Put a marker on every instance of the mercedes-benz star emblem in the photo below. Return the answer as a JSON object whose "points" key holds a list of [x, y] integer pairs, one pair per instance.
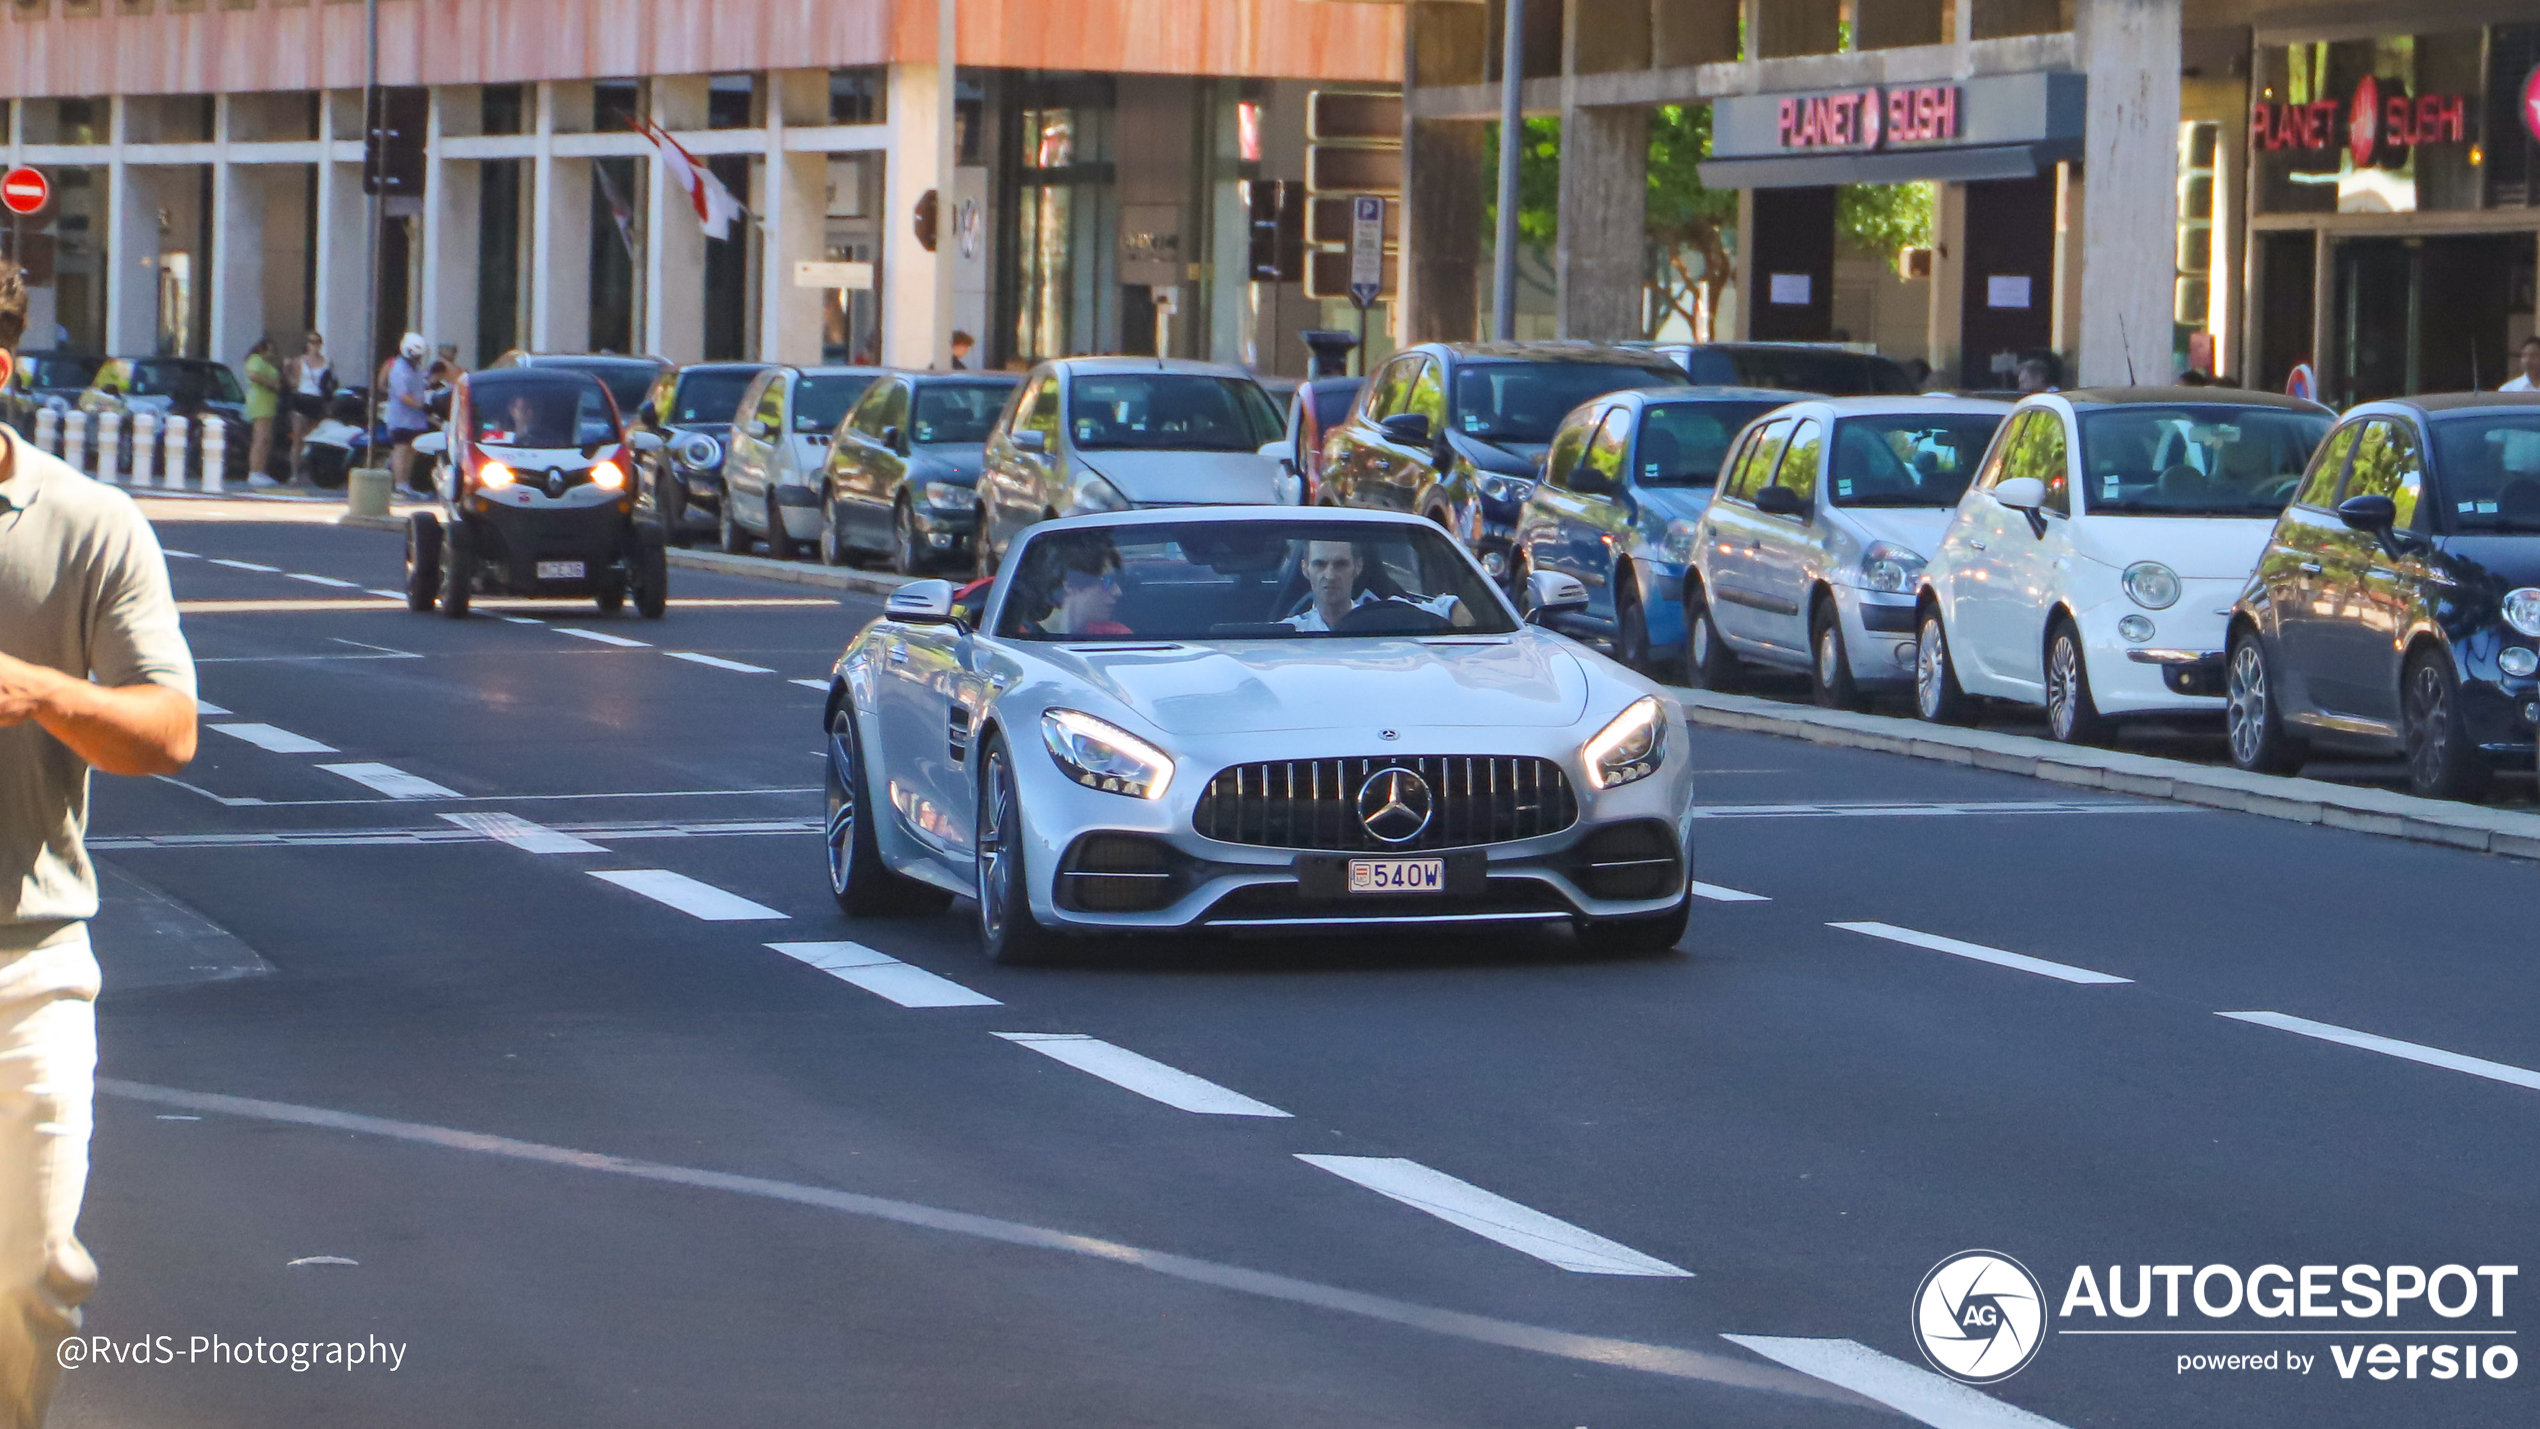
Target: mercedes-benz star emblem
{"points": [[1394, 805]]}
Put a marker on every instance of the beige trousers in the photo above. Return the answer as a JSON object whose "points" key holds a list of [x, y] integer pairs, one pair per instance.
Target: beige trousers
{"points": [[48, 1062]]}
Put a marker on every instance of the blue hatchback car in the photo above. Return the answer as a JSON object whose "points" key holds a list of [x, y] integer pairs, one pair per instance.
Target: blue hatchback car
{"points": [[1624, 482]]}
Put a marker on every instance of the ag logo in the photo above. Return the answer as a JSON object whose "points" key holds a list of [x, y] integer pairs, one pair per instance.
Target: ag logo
{"points": [[1979, 1316]]}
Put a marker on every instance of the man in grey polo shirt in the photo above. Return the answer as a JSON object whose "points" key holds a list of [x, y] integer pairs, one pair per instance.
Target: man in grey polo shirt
{"points": [[93, 675]]}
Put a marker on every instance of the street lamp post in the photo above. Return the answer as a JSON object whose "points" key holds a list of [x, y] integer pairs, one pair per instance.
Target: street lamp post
{"points": [[371, 117], [1512, 127]]}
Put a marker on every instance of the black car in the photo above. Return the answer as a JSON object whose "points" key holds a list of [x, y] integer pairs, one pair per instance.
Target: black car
{"points": [[1797, 366], [903, 470], [45, 379], [2396, 610], [691, 409], [1456, 431], [195, 388]]}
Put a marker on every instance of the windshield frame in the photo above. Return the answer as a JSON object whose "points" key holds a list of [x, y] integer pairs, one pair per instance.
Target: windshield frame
{"points": [[743, 376], [1003, 391], [2439, 435], [1636, 473], [1844, 423], [1266, 422], [2090, 485], [494, 391]]}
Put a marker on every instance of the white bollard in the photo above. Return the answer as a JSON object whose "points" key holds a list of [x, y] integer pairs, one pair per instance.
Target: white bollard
{"points": [[48, 431], [110, 446], [215, 452], [75, 439], [145, 447], [172, 444]]}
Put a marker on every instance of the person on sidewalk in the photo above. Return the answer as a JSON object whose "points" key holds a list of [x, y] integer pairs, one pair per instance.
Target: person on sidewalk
{"points": [[264, 404], [94, 674], [308, 382], [404, 414]]}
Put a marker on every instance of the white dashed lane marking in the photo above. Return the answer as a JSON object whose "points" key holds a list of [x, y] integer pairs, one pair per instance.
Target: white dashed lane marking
{"points": [[322, 580], [820, 685], [601, 636], [1980, 953], [386, 594], [280, 741], [678, 890], [718, 662], [884, 976], [1493, 1217], [1911, 1391], [246, 566], [1717, 894], [524, 620], [391, 781], [2392, 1047], [521, 834], [180, 555], [1144, 1075], [203, 706]]}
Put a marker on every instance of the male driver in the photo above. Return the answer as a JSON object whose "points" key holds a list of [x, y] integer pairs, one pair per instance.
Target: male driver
{"points": [[2528, 379], [1331, 575], [93, 674]]}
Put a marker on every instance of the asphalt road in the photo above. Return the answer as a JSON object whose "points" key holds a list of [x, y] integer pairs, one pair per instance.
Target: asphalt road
{"points": [[596, 1159]]}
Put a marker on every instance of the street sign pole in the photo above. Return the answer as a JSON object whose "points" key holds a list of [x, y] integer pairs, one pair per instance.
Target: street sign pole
{"points": [[1366, 262], [1512, 133]]}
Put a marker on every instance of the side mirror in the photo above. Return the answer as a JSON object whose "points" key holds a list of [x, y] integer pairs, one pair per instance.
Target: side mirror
{"points": [[1281, 451], [1410, 429], [645, 416], [891, 439], [434, 444], [1553, 593], [2021, 493], [2371, 515], [1780, 501], [645, 443], [921, 603], [1037, 443]]}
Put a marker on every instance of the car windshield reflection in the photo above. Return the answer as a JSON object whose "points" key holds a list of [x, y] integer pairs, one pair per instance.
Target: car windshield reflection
{"points": [[1916, 460], [2196, 460]]}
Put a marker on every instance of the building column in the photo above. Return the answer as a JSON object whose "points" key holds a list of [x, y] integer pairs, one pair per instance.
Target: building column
{"points": [[2130, 51], [1441, 231], [343, 291], [446, 304], [1945, 328], [238, 247], [132, 246], [559, 242], [674, 243], [909, 170], [1602, 254], [2071, 298]]}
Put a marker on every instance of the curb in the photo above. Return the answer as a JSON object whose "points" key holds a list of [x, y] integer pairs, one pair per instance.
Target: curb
{"points": [[2297, 800], [788, 572]]}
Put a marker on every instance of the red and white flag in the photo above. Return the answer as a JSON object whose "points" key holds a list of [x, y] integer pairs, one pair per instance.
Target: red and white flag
{"points": [[715, 205]]}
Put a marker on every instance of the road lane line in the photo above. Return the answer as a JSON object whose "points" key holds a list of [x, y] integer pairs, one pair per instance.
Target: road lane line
{"points": [[245, 566], [180, 555], [521, 834], [718, 662], [280, 741], [1144, 1075], [1961, 809], [1493, 1217], [385, 594], [1979, 952], [1668, 1361], [601, 636], [462, 833], [524, 620], [203, 706], [1717, 894], [391, 781], [323, 580], [820, 685], [885, 976], [2392, 1047], [1915, 1393], [678, 890]]}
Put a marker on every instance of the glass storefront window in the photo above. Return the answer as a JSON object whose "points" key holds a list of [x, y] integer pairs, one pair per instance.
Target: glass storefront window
{"points": [[1066, 215], [2386, 125]]}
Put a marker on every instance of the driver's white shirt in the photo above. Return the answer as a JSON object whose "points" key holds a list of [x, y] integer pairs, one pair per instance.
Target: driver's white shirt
{"points": [[1442, 606]]}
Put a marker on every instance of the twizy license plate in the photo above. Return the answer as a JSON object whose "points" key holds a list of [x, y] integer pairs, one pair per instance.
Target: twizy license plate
{"points": [[1397, 875], [559, 570]]}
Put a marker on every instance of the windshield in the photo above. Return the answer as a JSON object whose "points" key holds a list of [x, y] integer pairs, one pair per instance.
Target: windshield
{"points": [[1524, 402], [1916, 460], [2200, 460], [2490, 471], [558, 411], [712, 397], [956, 413], [185, 381], [1800, 369], [1249, 580], [1169, 411], [821, 403], [60, 371], [626, 380], [1683, 443]]}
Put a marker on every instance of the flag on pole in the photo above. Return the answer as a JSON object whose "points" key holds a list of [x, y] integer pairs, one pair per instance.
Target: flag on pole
{"points": [[619, 211], [715, 205]]}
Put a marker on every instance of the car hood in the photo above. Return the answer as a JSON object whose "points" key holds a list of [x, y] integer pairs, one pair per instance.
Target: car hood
{"points": [[1168, 478], [2196, 547], [2509, 561], [1916, 528], [948, 461], [1506, 458], [1525, 680]]}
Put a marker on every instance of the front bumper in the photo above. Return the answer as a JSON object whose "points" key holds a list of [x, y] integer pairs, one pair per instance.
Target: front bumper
{"points": [[2183, 672]]}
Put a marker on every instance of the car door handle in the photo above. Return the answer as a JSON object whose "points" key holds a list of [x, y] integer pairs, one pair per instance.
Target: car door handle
{"points": [[1975, 545]]}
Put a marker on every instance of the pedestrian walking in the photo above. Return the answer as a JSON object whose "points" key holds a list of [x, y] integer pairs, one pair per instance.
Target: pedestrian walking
{"points": [[94, 674], [2528, 379], [308, 381], [407, 391], [264, 403], [962, 342]]}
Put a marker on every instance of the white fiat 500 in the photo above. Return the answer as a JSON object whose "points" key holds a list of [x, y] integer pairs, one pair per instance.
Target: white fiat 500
{"points": [[2092, 566], [1254, 719]]}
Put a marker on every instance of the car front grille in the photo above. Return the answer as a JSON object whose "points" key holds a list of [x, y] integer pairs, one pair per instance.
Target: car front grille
{"points": [[1313, 803]]}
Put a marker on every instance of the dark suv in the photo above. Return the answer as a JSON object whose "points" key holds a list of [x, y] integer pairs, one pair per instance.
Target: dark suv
{"points": [[2396, 609], [1456, 431]]}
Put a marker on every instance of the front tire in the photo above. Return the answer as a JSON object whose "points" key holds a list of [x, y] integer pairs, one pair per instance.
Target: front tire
{"points": [[862, 884], [2252, 719], [2442, 762], [908, 549], [649, 573], [670, 496], [729, 537], [1830, 672], [781, 545], [833, 544], [458, 570], [1937, 695], [1008, 932], [2072, 715], [1645, 936], [423, 561], [1714, 665], [983, 547]]}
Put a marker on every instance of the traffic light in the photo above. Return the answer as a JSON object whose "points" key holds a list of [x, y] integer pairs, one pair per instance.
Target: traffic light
{"points": [[392, 152], [1278, 231]]}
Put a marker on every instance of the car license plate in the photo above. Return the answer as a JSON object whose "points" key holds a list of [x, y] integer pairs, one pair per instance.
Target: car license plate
{"points": [[1397, 875], [559, 570]]}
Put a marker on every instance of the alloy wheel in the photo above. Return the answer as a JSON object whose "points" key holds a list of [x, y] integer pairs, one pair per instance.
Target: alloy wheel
{"points": [[2063, 687], [2429, 723], [1930, 670], [2245, 710], [842, 806], [1829, 657], [995, 848]]}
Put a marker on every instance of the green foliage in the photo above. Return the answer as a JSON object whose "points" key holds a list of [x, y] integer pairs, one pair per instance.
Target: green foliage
{"points": [[1883, 218], [1538, 182], [1680, 208]]}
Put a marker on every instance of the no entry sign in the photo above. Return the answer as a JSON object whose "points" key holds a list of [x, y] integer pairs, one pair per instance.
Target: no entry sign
{"points": [[24, 190]]}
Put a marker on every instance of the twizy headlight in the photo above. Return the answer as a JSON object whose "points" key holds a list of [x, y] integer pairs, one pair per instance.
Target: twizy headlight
{"points": [[2151, 585], [1891, 568], [2522, 610], [607, 476], [1104, 756], [1629, 749], [493, 476]]}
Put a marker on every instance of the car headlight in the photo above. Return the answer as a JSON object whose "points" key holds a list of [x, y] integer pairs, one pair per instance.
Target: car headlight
{"points": [[2136, 628], [699, 452], [1496, 487], [2522, 610], [1677, 545], [1100, 755], [606, 476], [2151, 585], [1093, 494], [1631, 748], [1890, 568], [2518, 661], [493, 476], [950, 495]]}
